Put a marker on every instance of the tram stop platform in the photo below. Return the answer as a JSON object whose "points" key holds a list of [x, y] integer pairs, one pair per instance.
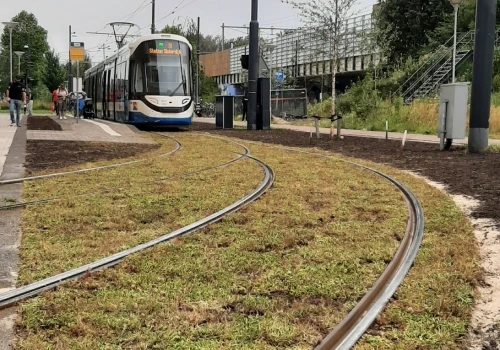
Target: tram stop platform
{"points": [[89, 130]]}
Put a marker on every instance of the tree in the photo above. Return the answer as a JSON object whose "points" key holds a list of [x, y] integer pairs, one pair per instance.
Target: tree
{"points": [[28, 32], [208, 88], [83, 66], [404, 26], [328, 17], [54, 71]]}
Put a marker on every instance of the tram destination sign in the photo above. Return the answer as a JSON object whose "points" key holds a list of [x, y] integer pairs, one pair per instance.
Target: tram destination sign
{"points": [[162, 50], [77, 51]]}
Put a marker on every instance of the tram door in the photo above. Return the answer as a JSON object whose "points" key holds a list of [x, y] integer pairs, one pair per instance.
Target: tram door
{"points": [[104, 100], [108, 94]]}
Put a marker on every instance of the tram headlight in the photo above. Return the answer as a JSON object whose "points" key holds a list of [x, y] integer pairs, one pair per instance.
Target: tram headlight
{"points": [[186, 100]]}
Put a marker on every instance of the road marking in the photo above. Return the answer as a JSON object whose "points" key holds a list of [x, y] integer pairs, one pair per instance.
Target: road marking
{"points": [[104, 127]]}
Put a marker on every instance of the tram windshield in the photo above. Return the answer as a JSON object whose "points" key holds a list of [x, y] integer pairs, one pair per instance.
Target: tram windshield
{"points": [[162, 67]]}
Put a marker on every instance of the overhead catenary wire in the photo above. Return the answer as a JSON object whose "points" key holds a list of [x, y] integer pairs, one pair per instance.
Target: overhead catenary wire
{"points": [[175, 10]]}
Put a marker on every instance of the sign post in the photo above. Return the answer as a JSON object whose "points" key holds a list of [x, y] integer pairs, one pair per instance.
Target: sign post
{"points": [[77, 53]]}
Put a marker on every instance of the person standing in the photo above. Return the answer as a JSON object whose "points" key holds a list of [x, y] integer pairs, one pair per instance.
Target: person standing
{"points": [[54, 101], [245, 107], [62, 94], [16, 95], [30, 103]]}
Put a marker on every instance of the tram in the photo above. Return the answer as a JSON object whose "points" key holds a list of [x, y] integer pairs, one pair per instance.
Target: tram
{"points": [[146, 82]]}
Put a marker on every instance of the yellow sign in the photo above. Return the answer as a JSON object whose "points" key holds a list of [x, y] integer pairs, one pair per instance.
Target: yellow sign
{"points": [[164, 52], [77, 52]]}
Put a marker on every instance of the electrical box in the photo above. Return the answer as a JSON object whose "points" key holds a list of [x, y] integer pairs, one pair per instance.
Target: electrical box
{"points": [[224, 111], [263, 104], [453, 111]]}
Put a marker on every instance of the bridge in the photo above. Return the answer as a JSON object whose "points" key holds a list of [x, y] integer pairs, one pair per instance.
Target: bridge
{"points": [[300, 54]]}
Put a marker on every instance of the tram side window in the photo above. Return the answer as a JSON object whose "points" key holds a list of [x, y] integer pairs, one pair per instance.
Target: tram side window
{"points": [[138, 78]]}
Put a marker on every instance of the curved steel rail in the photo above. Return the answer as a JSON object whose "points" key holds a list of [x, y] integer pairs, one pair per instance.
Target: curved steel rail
{"points": [[14, 296], [354, 325], [177, 148], [108, 190]]}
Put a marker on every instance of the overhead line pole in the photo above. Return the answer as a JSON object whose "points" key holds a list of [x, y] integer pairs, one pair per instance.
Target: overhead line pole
{"points": [[198, 63], [223, 36], [70, 80], [153, 29], [253, 67], [482, 73]]}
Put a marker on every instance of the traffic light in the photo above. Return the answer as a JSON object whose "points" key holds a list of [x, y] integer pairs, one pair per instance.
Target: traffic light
{"points": [[244, 61]]}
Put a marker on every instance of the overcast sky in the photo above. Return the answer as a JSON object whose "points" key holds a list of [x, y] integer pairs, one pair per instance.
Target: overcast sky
{"points": [[93, 15]]}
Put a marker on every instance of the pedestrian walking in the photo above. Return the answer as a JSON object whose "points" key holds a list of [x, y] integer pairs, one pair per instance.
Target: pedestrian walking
{"points": [[62, 94], [54, 101], [245, 107], [30, 103], [16, 95]]}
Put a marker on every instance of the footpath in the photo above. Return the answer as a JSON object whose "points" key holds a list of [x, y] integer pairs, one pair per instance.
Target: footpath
{"points": [[355, 133]]}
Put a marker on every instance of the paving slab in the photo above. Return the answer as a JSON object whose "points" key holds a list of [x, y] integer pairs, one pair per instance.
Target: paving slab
{"points": [[356, 133], [14, 144], [90, 130]]}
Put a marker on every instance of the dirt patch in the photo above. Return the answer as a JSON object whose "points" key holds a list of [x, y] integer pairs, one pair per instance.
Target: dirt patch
{"points": [[467, 174], [48, 155], [43, 123]]}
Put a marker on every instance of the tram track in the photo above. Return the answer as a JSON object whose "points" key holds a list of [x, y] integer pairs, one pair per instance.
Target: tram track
{"points": [[351, 328], [177, 148], [14, 296], [347, 333], [116, 189]]}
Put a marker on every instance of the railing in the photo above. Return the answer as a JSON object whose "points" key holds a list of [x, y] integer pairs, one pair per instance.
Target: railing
{"points": [[418, 72], [439, 60]]}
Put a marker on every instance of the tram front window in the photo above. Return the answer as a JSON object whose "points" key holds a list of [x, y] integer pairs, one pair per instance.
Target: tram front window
{"points": [[163, 72]]}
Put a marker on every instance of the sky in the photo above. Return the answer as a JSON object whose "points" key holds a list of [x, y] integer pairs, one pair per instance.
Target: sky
{"points": [[94, 15]]}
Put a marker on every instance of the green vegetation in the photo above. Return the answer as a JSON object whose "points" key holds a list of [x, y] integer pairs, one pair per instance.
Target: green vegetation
{"points": [[363, 108], [28, 28], [278, 274]]}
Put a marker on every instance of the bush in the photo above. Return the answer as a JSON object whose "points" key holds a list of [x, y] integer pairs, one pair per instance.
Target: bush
{"points": [[495, 85]]}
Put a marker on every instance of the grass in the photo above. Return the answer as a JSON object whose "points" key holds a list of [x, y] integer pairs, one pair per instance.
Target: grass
{"points": [[35, 111], [278, 274], [418, 118], [140, 211]]}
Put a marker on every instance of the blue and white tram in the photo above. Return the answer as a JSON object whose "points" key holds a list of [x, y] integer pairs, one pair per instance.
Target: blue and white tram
{"points": [[148, 82]]}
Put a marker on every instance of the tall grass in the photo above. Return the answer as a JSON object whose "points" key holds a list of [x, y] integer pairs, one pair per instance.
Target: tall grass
{"points": [[366, 111]]}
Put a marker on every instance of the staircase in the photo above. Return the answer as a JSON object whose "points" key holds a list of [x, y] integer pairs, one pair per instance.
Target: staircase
{"points": [[437, 69]]}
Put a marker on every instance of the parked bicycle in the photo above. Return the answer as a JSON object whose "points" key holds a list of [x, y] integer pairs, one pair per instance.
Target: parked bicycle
{"points": [[208, 110]]}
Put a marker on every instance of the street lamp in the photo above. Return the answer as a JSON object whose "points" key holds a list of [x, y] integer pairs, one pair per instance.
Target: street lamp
{"points": [[19, 54], [27, 65], [456, 5], [11, 26]]}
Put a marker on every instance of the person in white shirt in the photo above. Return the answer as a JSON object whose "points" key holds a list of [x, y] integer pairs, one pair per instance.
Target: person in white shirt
{"points": [[62, 94]]}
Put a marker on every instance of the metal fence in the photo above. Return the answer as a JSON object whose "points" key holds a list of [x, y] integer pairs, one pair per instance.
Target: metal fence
{"points": [[290, 102], [293, 102]]}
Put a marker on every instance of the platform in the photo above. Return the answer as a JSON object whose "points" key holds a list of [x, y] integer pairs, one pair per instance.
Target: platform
{"points": [[96, 130]]}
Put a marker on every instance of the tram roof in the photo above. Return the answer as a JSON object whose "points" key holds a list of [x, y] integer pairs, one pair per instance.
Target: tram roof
{"points": [[134, 44]]}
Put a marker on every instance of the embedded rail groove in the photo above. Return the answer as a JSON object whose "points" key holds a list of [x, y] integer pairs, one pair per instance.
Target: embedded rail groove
{"points": [[12, 297], [177, 148], [347, 333]]}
